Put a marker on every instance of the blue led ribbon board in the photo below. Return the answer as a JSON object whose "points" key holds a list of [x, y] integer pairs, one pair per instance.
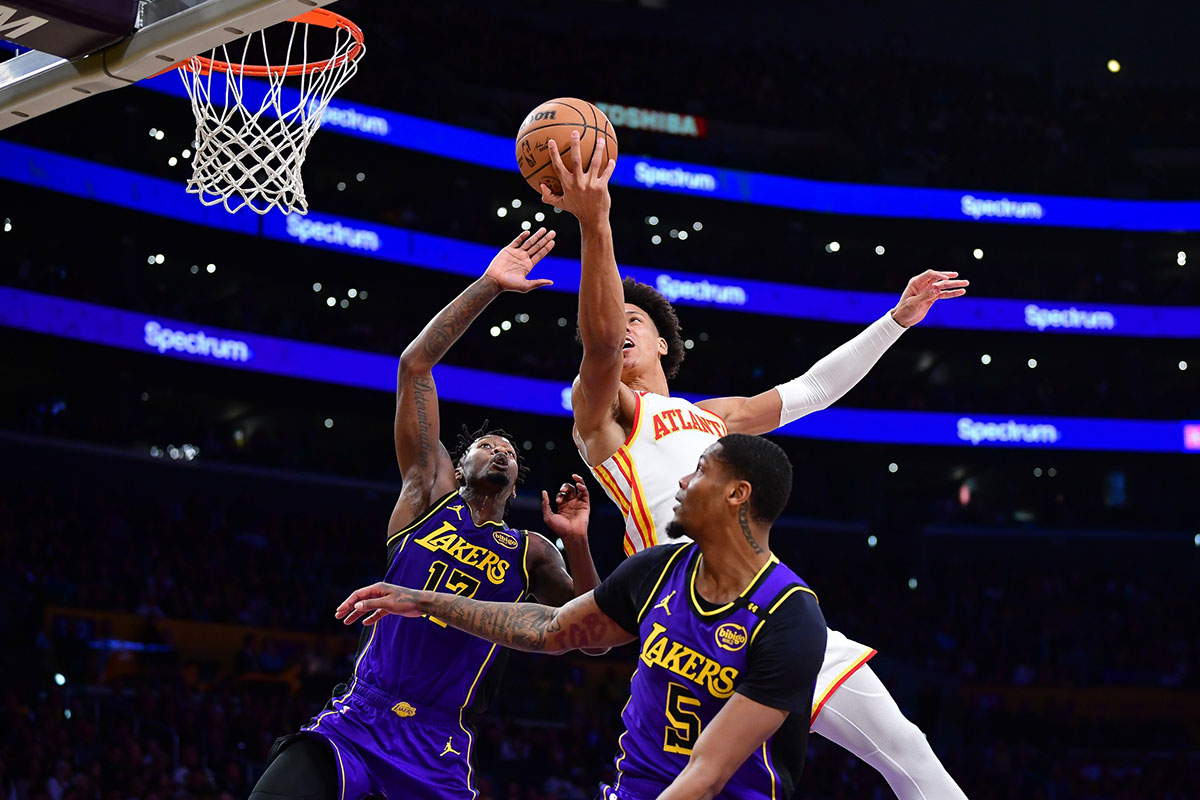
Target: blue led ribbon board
{"points": [[159, 336]]}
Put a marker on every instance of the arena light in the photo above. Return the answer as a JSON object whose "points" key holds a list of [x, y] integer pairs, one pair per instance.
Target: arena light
{"points": [[879, 250], [656, 239], [1197, 540], [331, 301], [985, 359], [833, 247], [526, 445], [352, 293], [1181, 258], [683, 235], [893, 467], [516, 203], [317, 287], [1052, 472], [526, 225], [522, 318], [59, 679], [550, 445], [150, 260], [978, 254], [562, 322], [344, 303], [872, 540], [341, 187], [501, 212], [506, 325], [159, 135], [539, 216], [495, 331], [362, 295], [674, 233], [195, 270], [697, 226], [688, 344], [328, 422], [1032, 363], [1182, 366], [1037, 472], [159, 258], [651, 220], [210, 269], [153, 133], [912, 583], [360, 177], [186, 153], [1114, 66], [172, 161]]}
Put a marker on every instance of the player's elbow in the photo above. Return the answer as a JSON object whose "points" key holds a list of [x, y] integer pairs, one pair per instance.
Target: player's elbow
{"points": [[704, 778], [413, 362]]}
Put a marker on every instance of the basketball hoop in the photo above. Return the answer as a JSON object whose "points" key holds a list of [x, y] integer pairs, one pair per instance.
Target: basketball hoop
{"points": [[252, 136]]}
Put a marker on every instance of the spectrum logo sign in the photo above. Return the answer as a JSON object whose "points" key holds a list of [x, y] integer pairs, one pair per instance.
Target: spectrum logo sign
{"points": [[196, 343], [977, 432], [650, 176], [1071, 318]]}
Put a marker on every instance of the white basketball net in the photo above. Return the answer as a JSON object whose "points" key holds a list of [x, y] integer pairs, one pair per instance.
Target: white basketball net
{"points": [[252, 133]]}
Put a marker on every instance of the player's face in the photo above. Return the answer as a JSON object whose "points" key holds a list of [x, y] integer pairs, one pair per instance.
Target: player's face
{"points": [[491, 459], [701, 496], [642, 346]]}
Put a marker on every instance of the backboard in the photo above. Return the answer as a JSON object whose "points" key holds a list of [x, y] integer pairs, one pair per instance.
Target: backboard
{"points": [[165, 33]]}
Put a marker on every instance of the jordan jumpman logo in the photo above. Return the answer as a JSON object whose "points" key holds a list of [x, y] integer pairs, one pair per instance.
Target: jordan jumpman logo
{"points": [[449, 748], [457, 510], [663, 603]]}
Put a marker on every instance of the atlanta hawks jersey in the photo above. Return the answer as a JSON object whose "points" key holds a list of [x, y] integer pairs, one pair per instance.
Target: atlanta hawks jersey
{"points": [[664, 444]]}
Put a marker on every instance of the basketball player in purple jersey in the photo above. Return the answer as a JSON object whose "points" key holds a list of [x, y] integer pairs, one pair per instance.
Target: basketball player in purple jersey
{"points": [[731, 640], [401, 727], [637, 438]]}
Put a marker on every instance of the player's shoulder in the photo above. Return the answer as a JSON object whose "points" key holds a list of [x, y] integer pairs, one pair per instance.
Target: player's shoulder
{"points": [[795, 614]]}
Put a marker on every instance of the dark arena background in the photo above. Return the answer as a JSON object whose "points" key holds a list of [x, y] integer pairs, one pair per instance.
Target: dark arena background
{"points": [[1006, 507]]}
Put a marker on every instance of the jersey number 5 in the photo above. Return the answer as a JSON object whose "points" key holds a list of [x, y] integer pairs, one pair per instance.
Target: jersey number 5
{"points": [[683, 725], [459, 583]]}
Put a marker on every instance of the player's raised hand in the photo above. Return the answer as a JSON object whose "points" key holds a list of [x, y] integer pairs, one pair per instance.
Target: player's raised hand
{"points": [[378, 600], [584, 192], [511, 266], [923, 291], [574, 508]]}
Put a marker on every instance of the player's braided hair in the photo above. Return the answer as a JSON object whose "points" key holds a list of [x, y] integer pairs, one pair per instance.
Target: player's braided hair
{"points": [[468, 437], [662, 314]]}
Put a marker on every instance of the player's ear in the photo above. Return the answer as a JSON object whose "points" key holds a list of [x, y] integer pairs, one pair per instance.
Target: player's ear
{"points": [[663, 347], [458, 476], [739, 493]]}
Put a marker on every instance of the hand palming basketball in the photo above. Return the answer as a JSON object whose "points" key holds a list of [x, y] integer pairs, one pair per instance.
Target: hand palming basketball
{"points": [[584, 193], [511, 265]]}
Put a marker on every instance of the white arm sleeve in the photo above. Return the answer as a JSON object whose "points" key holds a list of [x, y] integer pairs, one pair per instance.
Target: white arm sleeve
{"points": [[839, 372]]}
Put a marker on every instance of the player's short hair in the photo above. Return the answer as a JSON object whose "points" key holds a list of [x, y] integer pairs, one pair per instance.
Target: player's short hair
{"points": [[765, 466], [662, 314]]}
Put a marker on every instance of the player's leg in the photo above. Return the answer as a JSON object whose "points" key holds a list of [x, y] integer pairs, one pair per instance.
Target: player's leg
{"points": [[304, 770], [862, 717]]}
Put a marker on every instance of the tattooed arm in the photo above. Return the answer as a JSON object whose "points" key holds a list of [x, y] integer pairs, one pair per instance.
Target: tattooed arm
{"points": [[522, 626], [424, 463]]}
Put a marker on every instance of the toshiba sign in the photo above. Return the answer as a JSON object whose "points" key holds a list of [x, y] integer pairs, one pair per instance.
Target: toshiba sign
{"points": [[647, 119]]}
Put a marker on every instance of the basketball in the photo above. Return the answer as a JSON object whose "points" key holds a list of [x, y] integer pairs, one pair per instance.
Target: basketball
{"points": [[555, 119]]}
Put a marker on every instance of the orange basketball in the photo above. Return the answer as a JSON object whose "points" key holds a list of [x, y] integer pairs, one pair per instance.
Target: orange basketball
{"points": [[555, 119]]}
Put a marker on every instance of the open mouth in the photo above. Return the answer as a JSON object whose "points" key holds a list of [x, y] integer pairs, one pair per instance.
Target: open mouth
{"points": [[500, 461], [628, 343]]}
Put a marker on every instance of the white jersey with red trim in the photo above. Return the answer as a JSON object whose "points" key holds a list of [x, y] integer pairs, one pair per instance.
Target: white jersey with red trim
{"points": [[642, 477], [664, 444]]}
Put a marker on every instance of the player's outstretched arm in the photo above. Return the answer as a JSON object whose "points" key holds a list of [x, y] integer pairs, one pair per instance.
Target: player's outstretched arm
{"points": [[601, 297], [522, 626], [424, 463], [736, 733], [837, 373]]}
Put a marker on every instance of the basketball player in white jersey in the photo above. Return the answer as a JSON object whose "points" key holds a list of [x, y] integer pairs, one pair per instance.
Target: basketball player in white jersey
{"points": [[639, 441]]}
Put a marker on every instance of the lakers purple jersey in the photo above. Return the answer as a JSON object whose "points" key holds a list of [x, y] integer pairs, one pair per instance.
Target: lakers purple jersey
{"points": [[420, 661], [691, 662]]}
